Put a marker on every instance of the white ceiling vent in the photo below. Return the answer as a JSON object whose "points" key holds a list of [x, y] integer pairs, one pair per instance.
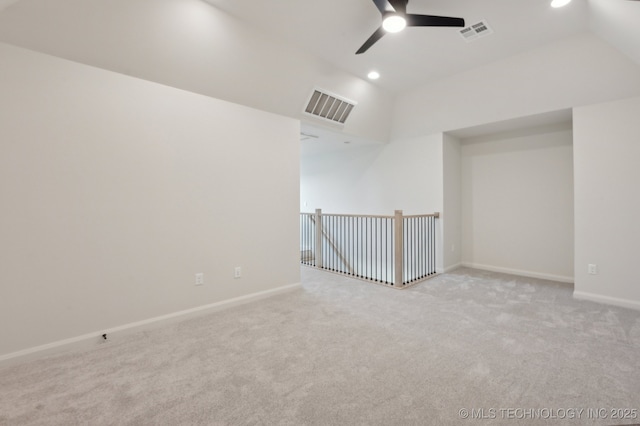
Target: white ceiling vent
{"points": [[329, 106], [476, 31]]}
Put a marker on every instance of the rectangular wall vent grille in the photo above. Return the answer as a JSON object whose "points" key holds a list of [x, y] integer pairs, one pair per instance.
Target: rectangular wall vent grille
{"points": [[329, 107], [476, 31]]}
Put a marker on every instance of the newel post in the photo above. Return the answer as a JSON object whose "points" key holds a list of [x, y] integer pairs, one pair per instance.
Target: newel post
{"points": [[318, 248], [397, 248]]}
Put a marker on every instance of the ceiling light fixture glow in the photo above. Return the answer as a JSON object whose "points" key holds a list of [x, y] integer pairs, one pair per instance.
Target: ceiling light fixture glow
{"points": [[559, 3], [373, 75], [393, 23]]}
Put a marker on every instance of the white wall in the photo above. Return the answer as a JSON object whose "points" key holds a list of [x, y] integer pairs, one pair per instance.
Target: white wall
{"points": [[192, 45], [452, 202], [403, 175], [607, 205], [336, 180], [579, 70], [376, 179], [407, 175], [115, 191], [517, 202]]}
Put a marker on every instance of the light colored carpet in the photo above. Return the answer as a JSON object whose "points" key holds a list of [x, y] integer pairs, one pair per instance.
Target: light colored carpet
{"points": [[344, 352]]}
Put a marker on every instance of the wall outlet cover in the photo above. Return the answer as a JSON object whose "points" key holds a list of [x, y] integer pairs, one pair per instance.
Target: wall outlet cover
{"points": [[200, 278]]}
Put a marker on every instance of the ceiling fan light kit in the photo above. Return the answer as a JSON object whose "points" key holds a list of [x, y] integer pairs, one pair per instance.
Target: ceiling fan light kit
{"points": [[394, 23], [395, 18]]}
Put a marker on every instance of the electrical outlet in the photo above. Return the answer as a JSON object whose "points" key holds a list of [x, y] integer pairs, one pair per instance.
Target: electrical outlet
{"points": [[237, 273], [592, 269], [200, 279]]}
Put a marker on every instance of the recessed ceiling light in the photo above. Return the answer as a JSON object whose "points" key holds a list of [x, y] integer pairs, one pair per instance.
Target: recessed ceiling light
{"points": [[559, 3], [373, 75], [393, 23]]}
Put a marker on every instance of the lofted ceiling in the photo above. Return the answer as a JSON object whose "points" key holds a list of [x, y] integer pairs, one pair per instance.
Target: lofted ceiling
{"points": [[299, 44], [334, 29]]}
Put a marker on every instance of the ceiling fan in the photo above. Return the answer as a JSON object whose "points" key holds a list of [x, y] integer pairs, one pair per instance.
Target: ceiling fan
{"points": [[395, 18]]}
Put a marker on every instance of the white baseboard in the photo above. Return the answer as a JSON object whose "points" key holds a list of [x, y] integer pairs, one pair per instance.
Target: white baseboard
{"points": [[551, 277], [608, 300], [92, 339], [452, 267]]}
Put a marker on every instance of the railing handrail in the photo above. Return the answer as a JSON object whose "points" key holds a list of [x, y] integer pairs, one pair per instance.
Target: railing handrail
{"points": [[352, 215], [436, 215]]}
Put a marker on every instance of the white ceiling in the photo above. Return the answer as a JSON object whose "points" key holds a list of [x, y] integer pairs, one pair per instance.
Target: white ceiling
{"points": [[152, 41], [335, 29]]}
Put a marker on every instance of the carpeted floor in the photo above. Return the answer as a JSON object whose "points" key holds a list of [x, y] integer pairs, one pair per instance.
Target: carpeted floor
{"points": [[342, 352]]}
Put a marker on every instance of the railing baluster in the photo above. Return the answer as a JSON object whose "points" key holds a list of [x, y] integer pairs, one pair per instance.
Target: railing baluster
{"points": [[339, 240], [370, 249], [423, 249], [359, 238], [425, 239], [413, 248], [379, 268], [342, 247], [432, 247], [433, 244], [394, 250], [386, 252], [375, 248], [333, 251]]}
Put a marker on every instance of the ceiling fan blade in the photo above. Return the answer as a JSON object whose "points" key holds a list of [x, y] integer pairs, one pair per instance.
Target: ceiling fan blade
{"points": [[433, 21], [371, 41], [383, 6], [400, 6]]}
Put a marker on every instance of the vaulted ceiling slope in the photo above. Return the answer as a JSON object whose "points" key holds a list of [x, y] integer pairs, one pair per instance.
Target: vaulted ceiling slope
{"points": [[192, 45], [271, 55], [617, 22], [575, 71], [334, 29]]}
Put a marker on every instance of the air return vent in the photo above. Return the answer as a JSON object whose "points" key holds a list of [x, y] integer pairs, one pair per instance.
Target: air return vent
{"points": [[329, 107], [475, 31]]}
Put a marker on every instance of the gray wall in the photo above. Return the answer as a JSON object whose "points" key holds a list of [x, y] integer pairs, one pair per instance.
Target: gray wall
{"points": [[116, 191], [517, 202], [607, 202]]}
